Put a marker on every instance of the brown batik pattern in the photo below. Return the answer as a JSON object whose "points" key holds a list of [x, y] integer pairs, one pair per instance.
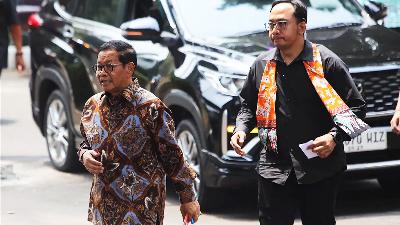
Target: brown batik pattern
{"points": [[135, 134]]}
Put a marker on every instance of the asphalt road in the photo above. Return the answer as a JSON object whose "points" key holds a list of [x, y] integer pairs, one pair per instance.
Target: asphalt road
{"points": [[32, 192]]}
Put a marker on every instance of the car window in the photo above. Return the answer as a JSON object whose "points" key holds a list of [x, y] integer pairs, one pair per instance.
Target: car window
{"points": [[104, 11], [142, 8], [248, 16], [393, 18]]}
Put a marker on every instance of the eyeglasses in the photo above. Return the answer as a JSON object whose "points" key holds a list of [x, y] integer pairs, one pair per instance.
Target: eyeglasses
{"points": [[280, 24], [108, 68]]}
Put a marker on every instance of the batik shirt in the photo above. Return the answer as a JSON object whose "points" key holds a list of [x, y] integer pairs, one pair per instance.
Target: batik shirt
{"points": [[134, 132]]}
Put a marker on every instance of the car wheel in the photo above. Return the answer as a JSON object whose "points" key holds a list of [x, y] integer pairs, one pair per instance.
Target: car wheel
{"points": [[58, 133], [390, 183], [189, 141]]}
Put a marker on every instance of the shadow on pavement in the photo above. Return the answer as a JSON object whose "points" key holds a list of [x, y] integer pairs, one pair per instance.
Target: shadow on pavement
{"points": [[355, 198], [5, 122]]}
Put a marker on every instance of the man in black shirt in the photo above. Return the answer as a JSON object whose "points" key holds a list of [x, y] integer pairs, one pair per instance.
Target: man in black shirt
{"points": [[301, 113], [9, 21]]}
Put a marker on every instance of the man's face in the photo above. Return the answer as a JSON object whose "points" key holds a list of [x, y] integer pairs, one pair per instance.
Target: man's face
{"points": [[112, 75], [286, 30]]}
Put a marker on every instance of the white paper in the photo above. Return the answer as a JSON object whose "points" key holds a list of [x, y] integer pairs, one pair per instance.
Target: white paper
{"points": [[304, 147]]}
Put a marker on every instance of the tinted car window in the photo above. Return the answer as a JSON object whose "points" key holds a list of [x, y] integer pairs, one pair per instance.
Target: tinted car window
{"points": [[104, 11], [393, 17], [233, 19]]}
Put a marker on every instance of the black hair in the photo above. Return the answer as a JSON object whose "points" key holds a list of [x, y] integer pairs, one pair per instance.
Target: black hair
{"points": [[300, 9], [126, 53]]}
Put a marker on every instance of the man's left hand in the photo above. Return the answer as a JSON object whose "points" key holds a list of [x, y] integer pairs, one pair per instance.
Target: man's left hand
{"points": [[19, 62], [323, 145], [190, 210]]}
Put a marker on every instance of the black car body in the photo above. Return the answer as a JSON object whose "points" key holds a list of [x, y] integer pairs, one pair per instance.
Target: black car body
{"points": [[196, 61]]}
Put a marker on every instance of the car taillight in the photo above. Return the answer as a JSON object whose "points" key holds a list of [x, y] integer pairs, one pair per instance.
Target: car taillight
{"points": [[34, 21]]}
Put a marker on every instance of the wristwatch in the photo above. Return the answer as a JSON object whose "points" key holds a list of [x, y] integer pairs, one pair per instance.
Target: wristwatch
{"points": [[337, 138], [81, 154]]}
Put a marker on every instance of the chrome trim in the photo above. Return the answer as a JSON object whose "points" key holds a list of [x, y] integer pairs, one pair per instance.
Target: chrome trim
{"points": [[379, 114], [59, 9], [375, 165], [251, 145], [224, 132], [247, 149], [366, 69]]}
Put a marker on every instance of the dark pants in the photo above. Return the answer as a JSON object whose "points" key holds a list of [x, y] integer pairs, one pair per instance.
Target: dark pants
{"points": [[278, 204], [3, 57]]}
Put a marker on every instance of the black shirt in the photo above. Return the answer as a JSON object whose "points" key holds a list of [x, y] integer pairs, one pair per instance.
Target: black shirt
{"points": [[301, 115], [8, 17]]}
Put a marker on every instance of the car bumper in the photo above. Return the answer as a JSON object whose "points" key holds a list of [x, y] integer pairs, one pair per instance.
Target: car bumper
{"points": [[223, 173], [227, 171]]}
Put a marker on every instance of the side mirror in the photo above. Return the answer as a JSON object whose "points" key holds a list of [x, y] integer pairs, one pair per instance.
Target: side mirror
{"points": [[376, 10], [145, 28]]}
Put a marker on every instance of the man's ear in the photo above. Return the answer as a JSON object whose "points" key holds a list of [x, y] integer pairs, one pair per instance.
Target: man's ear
{"points": [[302, 28], [131, 67]]}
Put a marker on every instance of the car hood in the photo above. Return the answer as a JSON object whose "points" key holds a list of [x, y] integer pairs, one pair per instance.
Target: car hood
{"points": [[357, 46]]}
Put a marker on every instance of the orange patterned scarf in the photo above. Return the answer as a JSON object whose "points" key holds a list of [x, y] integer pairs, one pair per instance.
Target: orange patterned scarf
{"points": [[341, 114]]}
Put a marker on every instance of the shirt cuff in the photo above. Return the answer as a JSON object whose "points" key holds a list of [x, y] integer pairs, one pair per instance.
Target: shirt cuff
{"points": [[187, 195], [240, 128], [338, 135]]}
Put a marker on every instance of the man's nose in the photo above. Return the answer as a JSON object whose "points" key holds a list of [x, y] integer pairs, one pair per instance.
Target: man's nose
{"points": [[274, 30], [101, 73]]}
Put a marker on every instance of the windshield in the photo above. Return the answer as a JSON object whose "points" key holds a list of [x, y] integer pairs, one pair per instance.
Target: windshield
{"points": [[227, 18]]}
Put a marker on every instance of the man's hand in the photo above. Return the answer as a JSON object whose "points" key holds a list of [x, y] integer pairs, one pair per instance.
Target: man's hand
{"points": [[323, 145], [237, 141], [190, 210], [90, 163], [19, 62], [395, 122]]}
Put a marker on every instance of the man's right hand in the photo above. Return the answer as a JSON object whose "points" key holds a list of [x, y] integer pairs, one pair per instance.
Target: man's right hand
{"points": [[395, 122], [90, 163], [237, 140]]}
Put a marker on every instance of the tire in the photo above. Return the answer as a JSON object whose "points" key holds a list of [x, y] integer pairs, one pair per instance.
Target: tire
{"points": [[60, 139], [390, 183], [189, 141]]}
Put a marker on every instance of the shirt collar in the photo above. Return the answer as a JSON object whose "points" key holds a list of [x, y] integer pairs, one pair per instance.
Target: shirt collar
{"points": [[127, 93], [305, 55]]}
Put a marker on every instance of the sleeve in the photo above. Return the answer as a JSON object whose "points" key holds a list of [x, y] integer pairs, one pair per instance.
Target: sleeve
{"points": [[84, 145], [12, 17], [338, 76], [171, 157], [246, 118]]}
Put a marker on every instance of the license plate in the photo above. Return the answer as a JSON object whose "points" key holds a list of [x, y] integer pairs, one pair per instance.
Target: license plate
{"points": [[370, 140]]}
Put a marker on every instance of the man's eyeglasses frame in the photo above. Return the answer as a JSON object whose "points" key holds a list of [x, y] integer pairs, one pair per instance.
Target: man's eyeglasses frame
{"points": [[108, 68]]}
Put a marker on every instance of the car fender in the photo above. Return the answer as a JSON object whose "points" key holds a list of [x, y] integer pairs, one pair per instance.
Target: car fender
{"points": [[54, 75], [182, 99]]}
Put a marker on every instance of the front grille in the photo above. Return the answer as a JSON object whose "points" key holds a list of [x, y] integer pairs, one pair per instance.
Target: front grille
{"points": [[380, 89]]}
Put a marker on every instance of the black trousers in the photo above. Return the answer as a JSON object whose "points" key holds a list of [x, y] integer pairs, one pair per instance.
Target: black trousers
{"points": [[278, 204]]}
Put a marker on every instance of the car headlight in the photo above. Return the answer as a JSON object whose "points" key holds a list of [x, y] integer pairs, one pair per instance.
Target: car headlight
{"points": [[229, 84]]}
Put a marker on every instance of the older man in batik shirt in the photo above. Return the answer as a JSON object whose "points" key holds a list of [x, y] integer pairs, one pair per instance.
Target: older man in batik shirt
{"points": [[129, 145]]}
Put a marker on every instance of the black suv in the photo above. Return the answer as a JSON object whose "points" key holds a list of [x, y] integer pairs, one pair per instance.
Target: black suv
{"points": [[195, 56]]}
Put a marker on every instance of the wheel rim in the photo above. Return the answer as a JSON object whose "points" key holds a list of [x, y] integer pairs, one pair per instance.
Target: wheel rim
{"points": [[191, 153], [57, 132]]}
